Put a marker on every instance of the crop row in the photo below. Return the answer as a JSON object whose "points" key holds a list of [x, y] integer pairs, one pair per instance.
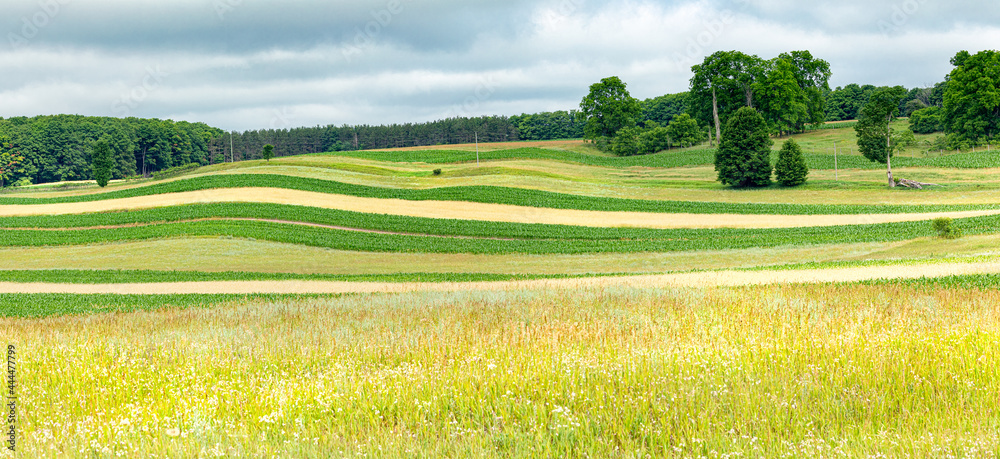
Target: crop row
{"points": [[44, 305], [390, 223], [667, 159], [485, 194], [664, 240], [72, 276]]}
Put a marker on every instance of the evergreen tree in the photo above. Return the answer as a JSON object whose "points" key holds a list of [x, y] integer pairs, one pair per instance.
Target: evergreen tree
{"points": [[102, 163], [744, 155], [791, 169]]}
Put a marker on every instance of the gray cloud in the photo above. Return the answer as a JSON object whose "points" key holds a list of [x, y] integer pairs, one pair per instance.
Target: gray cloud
{"points": [[241, 64]]}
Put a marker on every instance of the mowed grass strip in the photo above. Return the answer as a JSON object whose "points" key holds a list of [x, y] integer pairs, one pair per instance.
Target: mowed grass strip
{"points": [[572, 241], [488, 195]]}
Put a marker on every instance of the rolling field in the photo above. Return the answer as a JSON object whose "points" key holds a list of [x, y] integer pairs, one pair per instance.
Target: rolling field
{"points": [[547, 301]]}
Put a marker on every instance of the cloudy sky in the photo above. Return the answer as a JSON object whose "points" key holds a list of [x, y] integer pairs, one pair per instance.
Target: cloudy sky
{"points": [[250, 64]]}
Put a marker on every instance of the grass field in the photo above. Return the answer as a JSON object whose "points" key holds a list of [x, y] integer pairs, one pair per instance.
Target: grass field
{"points": [[541, 342]]}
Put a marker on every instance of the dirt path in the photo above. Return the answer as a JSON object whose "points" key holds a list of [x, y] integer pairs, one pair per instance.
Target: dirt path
{"points": [[705, 279], [475, 211]]}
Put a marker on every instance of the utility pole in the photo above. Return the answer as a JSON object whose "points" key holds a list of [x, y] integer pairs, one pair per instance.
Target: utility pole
{"points": [[836, 167]]}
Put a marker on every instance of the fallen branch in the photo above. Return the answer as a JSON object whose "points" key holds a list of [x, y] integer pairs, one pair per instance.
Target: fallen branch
{"points": [[914, 184]]}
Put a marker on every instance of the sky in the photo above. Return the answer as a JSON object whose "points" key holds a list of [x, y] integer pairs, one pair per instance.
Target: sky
{"points": [[254, 64]]}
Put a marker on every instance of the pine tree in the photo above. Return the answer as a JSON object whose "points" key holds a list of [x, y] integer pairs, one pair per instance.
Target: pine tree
{"points": [[791, 169], [744, 155]]}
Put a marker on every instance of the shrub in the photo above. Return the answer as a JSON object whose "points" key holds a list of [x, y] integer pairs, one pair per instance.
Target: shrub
{"points": [[437, 171], [791, 169], [626, 142], [946, 228]]}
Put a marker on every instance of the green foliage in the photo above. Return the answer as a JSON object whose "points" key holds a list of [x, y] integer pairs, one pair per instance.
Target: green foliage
{"points": [[549, 125], [102, 162], [845, 103], [655, 139], [873, 128], [744, 155], [608, 108], [726, 79], [684, 131], [268, 152], [972, 97], [626, 142], [927, 121], [10, 161], [791, 169], [436, 172], [946, 229], [663, 109]]}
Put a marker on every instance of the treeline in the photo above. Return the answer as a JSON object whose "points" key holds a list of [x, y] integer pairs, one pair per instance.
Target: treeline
{"points": [[845, 103], [55, 148], [248, 145]]}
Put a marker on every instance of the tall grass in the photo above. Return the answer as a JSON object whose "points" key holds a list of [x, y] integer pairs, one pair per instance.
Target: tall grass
{"points": [[795, 371]]}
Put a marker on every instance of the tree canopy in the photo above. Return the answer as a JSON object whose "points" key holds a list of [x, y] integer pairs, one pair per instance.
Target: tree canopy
{"points": [[873, 128], [608, 108], [972, 97]]}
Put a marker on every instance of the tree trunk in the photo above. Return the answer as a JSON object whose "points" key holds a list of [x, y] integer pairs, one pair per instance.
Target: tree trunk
{"points": [[715, 115], [888, 152]]}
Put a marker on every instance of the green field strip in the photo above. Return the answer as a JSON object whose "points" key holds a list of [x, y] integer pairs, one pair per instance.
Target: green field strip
{"points": [[673, 240], [38, 305], [667, 159], [72, 276], [489, 195]]}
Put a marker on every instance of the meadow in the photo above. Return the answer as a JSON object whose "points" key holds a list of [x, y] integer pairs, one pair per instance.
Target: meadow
{"points": [[876, 367]]}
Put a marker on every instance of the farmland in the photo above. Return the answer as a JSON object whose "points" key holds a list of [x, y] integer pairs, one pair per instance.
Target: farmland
{"points": [[546, 299]]}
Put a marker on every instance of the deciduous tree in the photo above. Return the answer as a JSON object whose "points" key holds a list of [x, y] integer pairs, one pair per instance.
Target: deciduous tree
{"points": [[972, 97], [608, 108], [873, 128], [268, 152]]}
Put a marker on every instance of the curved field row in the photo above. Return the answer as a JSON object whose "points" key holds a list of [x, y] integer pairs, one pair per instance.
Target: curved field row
{"points": [[483, 195], [702, 279], [460, 210]]}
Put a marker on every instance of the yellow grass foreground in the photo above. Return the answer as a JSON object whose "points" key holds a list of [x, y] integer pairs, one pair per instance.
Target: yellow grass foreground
{"points": [[475, 211], [779, 371], [695, 279]]}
